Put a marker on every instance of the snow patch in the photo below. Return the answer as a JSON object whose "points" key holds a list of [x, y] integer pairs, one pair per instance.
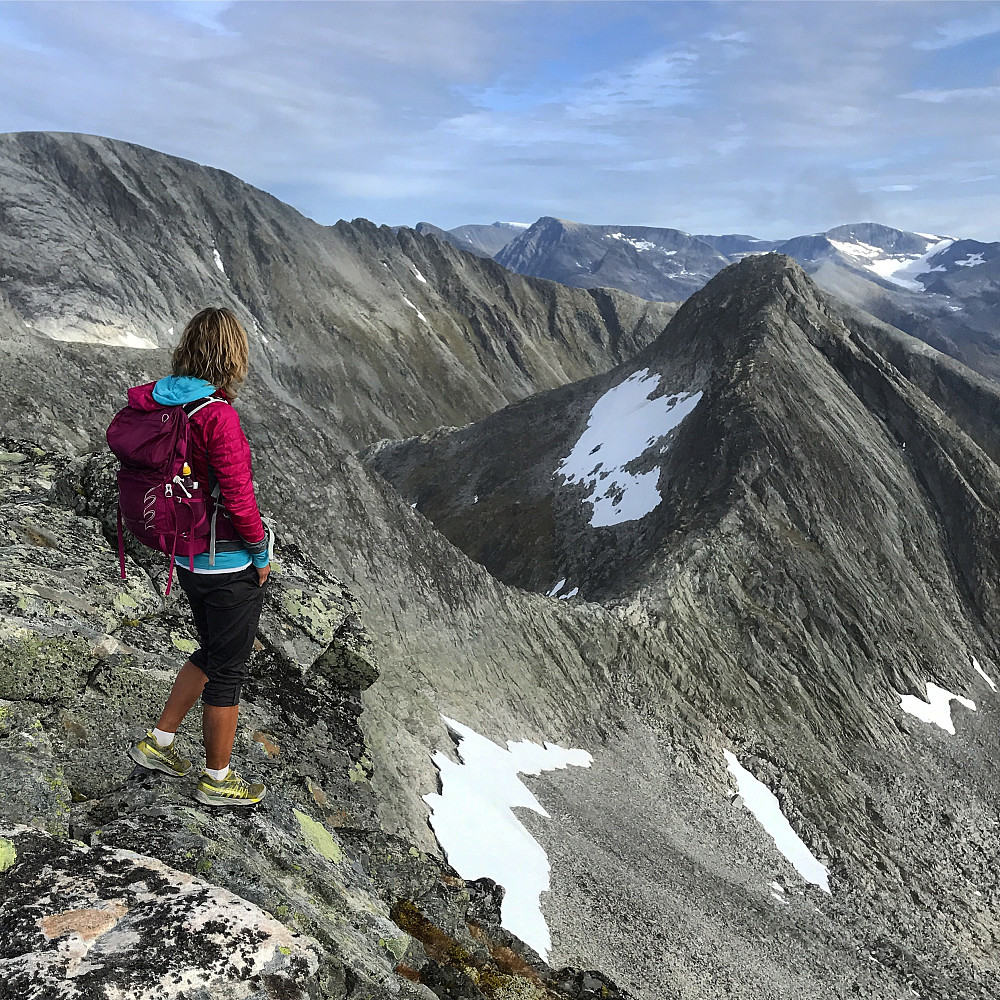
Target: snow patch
{"points": [[555, 590], [982, 673], [973, 260], [572, 593], [418, 275], [218, 260], [900, 269], [640, 245], [760, 800], [937, 708], [98, 333], [478, 830], [622, 425], [423, 318]]}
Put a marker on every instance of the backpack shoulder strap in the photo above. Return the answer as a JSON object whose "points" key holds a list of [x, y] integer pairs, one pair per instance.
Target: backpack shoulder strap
{"points": [[199, 404]]}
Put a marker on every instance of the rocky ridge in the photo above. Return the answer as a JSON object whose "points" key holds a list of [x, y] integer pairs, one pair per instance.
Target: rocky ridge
{"points": [[483, 241], [106, 242], [303, 896]]}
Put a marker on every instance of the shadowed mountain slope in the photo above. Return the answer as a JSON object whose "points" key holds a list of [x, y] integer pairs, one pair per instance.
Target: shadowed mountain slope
{"points": [[658, 264]]}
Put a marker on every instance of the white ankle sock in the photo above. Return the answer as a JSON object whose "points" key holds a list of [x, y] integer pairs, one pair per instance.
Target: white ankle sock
{"points": [[163, 739], [218, 774]]}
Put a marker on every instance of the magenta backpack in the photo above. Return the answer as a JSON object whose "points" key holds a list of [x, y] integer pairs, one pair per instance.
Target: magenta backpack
{"points": [[158, 500]]}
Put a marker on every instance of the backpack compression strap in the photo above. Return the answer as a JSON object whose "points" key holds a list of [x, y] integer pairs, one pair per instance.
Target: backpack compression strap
{"points": [[191, 409]]}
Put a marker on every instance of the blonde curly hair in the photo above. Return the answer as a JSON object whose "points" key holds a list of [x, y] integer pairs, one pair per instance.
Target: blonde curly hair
{"points": [[214, 347]]}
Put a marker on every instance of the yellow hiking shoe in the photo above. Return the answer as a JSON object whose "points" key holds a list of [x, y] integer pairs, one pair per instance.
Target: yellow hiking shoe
{"points": [[148, 753], [232, 790]]}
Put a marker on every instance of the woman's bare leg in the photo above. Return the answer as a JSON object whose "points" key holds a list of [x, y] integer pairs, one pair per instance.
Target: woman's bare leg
{"points": [[186, 691], [219, 727]]}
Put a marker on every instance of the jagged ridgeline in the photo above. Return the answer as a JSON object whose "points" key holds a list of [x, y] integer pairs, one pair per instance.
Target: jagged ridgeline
{"points": [[788, 575]]}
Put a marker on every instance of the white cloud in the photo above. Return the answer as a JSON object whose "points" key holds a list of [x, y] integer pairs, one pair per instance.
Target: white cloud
{"points": [[962, 30], [947, 96], [773, 119]]}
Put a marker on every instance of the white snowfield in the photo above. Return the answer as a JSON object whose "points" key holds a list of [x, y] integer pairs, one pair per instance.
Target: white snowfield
{"points": [[761, 802], [623, 423], [422, 317], [900, 269], [982, 673], [973, 260], [476, 827], [97, 333], [937, 708], [640, 245], [218, 260]]}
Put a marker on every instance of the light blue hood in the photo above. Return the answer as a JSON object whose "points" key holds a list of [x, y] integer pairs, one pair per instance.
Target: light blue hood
{"points": [[175, 390]]}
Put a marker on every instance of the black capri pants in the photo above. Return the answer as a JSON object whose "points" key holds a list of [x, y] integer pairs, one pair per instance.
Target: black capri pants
{"points": [[226, 609]]}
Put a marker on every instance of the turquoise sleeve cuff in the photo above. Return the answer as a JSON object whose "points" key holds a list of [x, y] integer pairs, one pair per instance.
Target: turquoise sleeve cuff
{"points": [[261, 559]]}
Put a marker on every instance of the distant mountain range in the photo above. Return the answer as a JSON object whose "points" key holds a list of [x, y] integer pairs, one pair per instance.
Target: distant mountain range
{"points": [[943, 289]]}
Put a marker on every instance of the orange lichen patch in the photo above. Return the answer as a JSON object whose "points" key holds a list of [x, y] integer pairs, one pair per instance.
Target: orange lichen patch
{"points": [[407, 972], [319, 796], [88, 923], [270, 747], [455, 883], [337, 818], [72, 726]]}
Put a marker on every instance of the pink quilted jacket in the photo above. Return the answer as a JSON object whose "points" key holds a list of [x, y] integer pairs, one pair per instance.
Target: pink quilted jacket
{"points": [[219, 449]]}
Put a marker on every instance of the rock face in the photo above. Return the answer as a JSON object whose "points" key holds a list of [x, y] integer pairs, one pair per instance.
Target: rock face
{"points": [[816, 572], [101, 903]]}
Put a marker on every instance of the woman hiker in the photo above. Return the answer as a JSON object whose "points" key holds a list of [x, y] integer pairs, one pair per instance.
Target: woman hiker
{"points": [[226, 598]]}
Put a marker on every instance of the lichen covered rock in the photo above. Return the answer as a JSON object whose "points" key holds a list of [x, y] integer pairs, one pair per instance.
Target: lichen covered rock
{"points": [[107, 923]]}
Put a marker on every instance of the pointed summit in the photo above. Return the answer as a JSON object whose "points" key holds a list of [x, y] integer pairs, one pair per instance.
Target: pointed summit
{"points": [[763, 406]]}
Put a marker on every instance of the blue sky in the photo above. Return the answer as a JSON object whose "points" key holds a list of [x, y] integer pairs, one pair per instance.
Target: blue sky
{"points": [[774, 119]]}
